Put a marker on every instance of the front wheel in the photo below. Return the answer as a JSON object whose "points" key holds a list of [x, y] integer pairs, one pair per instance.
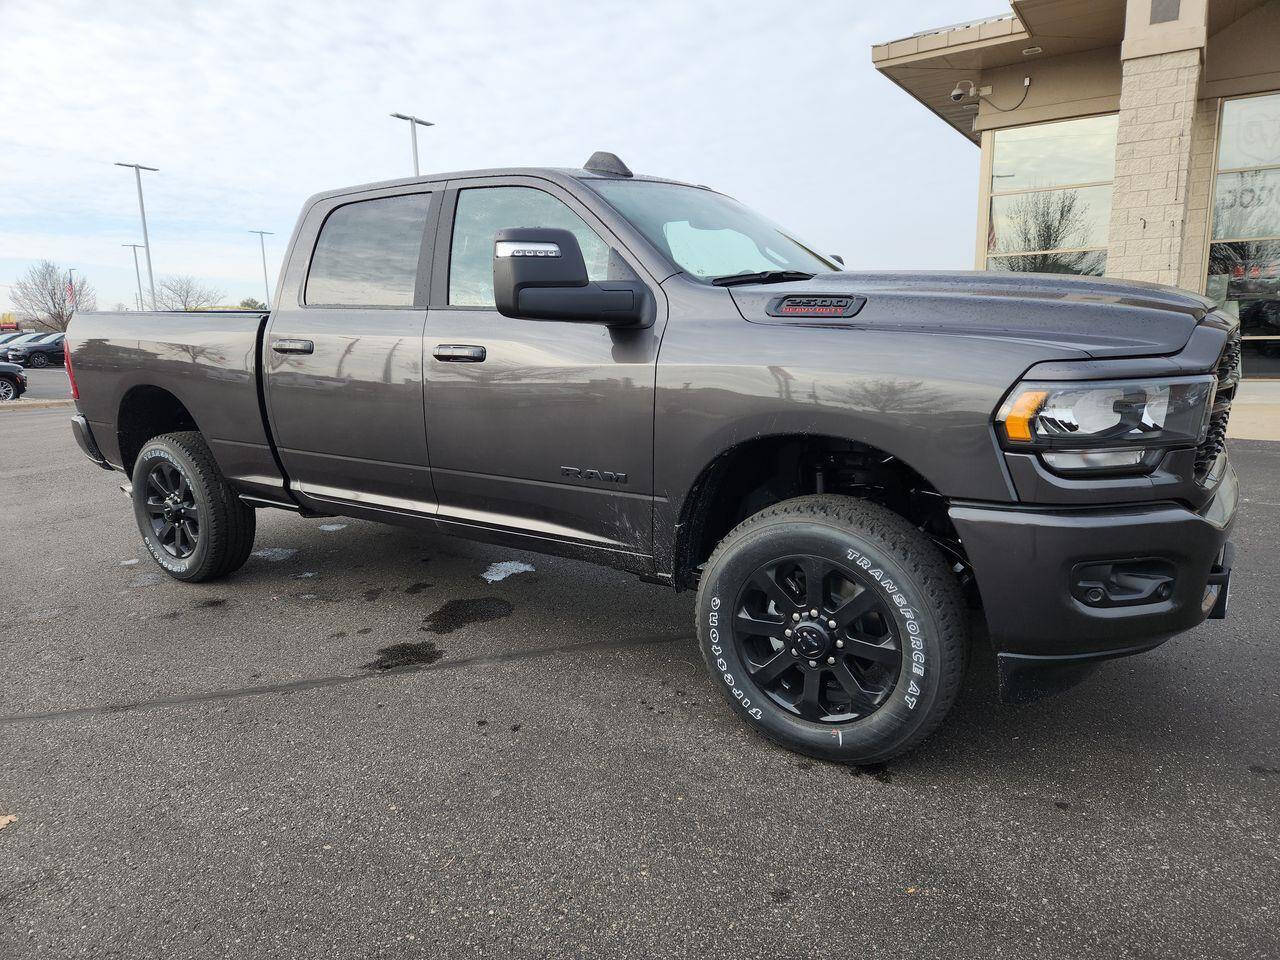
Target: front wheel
{"points": [[833, 627], [38, 360], [8, 389], [190, 519]]}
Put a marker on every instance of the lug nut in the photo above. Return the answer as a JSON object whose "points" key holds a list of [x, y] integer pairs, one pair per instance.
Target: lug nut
{"points": [[831, 659], [813, 613], [787, 632], [813, 663], [832, 624], [795, 616], [840, 644], [795, 652]]}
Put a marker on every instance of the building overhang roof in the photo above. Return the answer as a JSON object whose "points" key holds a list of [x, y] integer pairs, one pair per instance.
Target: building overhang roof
{"points": [[929, 64]]}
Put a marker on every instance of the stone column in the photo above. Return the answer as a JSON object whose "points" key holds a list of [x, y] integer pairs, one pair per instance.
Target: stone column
{"points": [[1149, 207]]}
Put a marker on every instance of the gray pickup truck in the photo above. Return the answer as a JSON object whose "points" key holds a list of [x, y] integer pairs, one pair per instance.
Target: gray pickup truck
{"points": [[647, 375]]}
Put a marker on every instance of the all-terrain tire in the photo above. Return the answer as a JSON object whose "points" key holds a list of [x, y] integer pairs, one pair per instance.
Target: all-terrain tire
{"points": [[866, 549], [226, 525]]}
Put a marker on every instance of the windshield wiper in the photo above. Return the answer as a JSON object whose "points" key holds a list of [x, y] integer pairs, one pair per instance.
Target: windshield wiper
{"points": [[763, 276]]}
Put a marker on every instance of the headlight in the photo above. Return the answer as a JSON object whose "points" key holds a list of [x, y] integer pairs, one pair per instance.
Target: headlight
{"points": [[1120, 426]]}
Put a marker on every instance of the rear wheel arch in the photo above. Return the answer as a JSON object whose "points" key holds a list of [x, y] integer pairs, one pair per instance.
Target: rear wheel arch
{"points": [[147, 411]]}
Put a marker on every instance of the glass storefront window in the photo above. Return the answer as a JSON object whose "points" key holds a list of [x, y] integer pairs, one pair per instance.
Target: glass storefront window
{"points": [[1054, 154], [1085, 263], [1050, 220], [1244, 257], [1051, 196]]}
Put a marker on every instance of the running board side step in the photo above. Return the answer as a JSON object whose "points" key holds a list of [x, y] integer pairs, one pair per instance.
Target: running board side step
{"points": [[259, 502]]}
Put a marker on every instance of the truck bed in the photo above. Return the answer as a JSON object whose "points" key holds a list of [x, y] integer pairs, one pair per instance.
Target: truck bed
{"points": [[208, 360]]}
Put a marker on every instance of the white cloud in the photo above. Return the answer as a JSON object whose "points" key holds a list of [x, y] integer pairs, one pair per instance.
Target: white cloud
{"points": [[249, 107]]}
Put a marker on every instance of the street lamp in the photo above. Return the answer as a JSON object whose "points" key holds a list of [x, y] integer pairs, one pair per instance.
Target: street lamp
{"points": [[262, 235], [71, 288], [136, 272], [146, 242], [414, 123]]}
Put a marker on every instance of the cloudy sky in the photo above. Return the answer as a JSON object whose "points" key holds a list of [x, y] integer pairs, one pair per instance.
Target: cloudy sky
{"points": [[247, 108]]}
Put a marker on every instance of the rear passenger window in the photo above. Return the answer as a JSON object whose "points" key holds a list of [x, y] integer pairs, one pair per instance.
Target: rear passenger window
{"points": [[367, 253], [483, 211]]}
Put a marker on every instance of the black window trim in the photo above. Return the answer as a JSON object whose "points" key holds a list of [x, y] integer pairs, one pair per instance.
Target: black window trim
{"points": [[422, 278]]}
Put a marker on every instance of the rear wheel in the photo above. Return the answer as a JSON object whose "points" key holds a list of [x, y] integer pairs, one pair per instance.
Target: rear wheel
{"points": [[191, 520], [833, 627]]}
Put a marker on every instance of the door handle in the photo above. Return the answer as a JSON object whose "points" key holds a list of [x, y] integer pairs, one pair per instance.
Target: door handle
{"points": [[459, 353], [293, 346]]}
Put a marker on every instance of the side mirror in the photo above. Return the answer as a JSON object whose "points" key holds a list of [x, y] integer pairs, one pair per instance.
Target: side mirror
{"points": [[838, 259], [539, 274]]}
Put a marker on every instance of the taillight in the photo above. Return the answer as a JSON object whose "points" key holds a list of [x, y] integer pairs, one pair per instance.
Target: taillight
{"points": [[71, 374]]}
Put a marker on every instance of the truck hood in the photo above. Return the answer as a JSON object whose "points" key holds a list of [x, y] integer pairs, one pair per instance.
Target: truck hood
{"points": [[1103, 318]]}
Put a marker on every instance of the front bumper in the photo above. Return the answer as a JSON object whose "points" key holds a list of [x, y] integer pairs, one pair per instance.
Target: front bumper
{"points": [[1034, 567]]}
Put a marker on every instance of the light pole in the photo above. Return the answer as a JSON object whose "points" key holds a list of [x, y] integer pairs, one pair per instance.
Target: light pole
{"points": [[262, 242], [136, 272], [71, 288], [414, 123], [146, 242]]}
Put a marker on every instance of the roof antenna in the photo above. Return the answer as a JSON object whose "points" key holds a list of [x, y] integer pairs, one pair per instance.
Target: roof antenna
{"points": [[604, 162]]}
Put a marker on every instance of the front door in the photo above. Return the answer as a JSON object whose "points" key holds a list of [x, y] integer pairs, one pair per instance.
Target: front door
{"points": [[542, 429], [344, 353]]}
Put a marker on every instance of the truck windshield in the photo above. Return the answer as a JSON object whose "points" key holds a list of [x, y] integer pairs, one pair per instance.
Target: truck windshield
{"points": [[706, 233]]}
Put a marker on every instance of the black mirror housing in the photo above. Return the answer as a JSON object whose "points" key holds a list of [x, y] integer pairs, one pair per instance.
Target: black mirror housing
{"points": [[539, 274]]}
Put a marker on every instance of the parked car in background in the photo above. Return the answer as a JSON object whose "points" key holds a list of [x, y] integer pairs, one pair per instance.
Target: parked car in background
{"points": [[13, 382], [17, 339], [43, 351]]}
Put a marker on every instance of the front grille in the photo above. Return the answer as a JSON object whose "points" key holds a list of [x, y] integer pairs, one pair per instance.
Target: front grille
{"points": [[1228, 379]]}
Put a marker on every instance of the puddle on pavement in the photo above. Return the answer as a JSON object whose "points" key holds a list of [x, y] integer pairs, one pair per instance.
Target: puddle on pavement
{"points": [[405, 655], [460, 613]]}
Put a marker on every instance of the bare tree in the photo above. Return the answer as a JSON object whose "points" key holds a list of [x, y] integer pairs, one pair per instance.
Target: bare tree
{"points": [[43, 299], [1049, 221], [184, 292]]}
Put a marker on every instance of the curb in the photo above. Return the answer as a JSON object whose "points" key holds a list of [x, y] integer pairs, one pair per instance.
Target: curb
{"points": [[35, 405]]}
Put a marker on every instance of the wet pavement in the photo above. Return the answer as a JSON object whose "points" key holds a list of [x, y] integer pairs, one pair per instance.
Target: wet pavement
{"points": [[367, 743]]}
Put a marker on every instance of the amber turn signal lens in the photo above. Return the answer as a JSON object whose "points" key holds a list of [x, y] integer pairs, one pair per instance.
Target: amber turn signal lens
{"points": [[1023, 410]]}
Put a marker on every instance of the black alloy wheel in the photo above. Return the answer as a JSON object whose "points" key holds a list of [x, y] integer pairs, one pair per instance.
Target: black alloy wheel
{"points": [[172, 509], [817, 638], [38, 360]]}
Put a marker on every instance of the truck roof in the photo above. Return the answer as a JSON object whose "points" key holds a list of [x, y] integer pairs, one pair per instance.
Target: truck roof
{"points": [[594, 169]]}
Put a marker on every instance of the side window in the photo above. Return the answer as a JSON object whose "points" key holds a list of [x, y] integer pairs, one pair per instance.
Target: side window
{"points": [[367, 253], [483, 211]]}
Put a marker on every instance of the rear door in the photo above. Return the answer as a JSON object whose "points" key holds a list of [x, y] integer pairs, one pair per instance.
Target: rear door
{"points": [[539, 429], [343, 351]]}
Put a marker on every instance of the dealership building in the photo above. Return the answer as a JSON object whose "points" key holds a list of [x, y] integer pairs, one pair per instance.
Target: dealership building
{"points": [[1139, 140]]}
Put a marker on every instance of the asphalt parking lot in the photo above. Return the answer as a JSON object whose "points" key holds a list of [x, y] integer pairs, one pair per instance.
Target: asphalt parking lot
{"points": [[225, 770]]}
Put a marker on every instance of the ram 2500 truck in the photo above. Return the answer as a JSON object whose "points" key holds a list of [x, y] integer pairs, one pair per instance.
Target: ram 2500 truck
{"points": [[648, 375]]}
